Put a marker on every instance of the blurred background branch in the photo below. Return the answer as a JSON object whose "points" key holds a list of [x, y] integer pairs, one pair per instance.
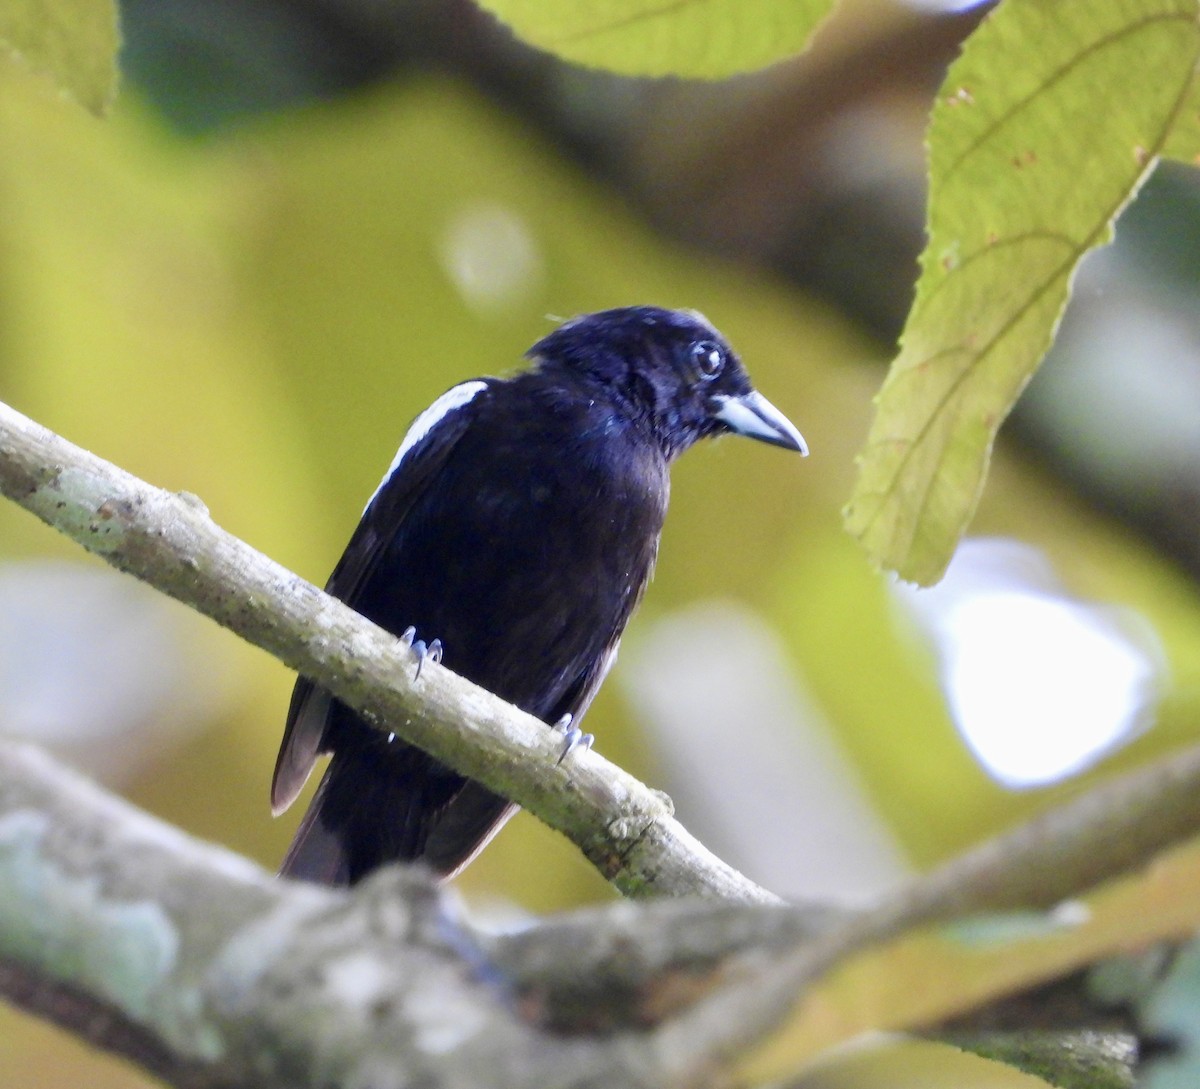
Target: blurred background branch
{"points": [[208, 972], [203, 970]]}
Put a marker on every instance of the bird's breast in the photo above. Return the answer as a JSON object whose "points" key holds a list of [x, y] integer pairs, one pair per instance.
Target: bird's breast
{"points": [[529, 554]]}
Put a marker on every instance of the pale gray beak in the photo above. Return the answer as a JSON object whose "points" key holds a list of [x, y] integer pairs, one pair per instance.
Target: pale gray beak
{"points": [[754, 416]]}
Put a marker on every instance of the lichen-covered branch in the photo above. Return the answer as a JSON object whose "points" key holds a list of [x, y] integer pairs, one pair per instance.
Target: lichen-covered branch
{"points": [[209, 972], [170, 542]]}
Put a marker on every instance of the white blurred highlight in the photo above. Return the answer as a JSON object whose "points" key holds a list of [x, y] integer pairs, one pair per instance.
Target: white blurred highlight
{"points": [[751, 765], [1039, 685], [944, 7], [102, 669], [490, 255]]}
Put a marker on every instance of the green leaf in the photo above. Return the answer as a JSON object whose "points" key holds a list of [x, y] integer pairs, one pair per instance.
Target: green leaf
{"points": [[1044, 129], [74, 41], [892, 1062], [1183, 143], [1069, 1060], [700, 39]]}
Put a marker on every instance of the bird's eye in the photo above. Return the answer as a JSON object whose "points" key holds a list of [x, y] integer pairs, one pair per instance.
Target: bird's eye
{"points": [[708, 358]]}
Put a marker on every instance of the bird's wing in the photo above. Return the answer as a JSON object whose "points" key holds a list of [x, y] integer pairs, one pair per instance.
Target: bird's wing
{"points": [[579, 696], [460, 829], [421, 456]]}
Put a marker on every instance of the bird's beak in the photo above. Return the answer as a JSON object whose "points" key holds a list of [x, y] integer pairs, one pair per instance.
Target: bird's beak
{"points": [[754, 416]]}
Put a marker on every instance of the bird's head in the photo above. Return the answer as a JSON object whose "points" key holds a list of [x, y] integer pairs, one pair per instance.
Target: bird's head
{"points": [[673, 370]]}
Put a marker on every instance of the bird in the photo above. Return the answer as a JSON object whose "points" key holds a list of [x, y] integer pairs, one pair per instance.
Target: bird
{"points": [[515, 531]]}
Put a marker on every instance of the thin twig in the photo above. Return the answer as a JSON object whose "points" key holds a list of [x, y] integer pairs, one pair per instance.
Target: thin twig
{"points": [[1064, 852]]}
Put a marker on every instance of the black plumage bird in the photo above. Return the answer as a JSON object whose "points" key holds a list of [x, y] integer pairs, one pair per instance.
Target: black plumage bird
{"points": [[518, 525]]}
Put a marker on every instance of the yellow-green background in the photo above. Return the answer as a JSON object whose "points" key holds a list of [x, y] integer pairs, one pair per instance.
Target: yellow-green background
{"points": [[256, 317]]}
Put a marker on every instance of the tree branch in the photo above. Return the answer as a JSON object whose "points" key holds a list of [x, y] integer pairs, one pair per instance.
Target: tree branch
{"points": [[209, 972], [169, 541], [96, 1022], [1063, 852], [186, 958]]}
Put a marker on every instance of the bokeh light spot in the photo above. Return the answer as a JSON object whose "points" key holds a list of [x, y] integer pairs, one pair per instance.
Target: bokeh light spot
{"points": [[1039, 685]]}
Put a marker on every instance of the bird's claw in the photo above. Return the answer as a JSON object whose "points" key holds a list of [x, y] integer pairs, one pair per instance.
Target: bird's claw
{"points": [[573, 737], [431, 651]]}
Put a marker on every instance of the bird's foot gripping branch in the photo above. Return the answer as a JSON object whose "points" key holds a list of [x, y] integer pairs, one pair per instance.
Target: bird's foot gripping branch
{"points": [[170, 542], [519, 522]]}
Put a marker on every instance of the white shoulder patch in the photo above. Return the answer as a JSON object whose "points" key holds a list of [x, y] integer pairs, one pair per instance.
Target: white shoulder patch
{"points": [[450, 401]]}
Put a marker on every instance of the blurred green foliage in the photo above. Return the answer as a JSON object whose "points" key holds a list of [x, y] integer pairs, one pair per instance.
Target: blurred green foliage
{"points": [[889, 1062], [257, 317], [930, 973], [75, 41], [649, 38]]}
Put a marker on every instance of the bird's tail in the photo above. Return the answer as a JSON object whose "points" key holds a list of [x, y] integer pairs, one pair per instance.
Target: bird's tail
{"points": [[318, 852], [376, 806], [360, 819]]}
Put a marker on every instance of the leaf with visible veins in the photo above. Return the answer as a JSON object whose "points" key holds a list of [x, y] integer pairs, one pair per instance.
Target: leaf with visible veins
{"points": [[699, 39], [1044, 128]]}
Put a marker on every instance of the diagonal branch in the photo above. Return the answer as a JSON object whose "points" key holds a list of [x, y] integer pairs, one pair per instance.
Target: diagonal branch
{"points": [[703, 1014], [169, 541], [1064, 852]]}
